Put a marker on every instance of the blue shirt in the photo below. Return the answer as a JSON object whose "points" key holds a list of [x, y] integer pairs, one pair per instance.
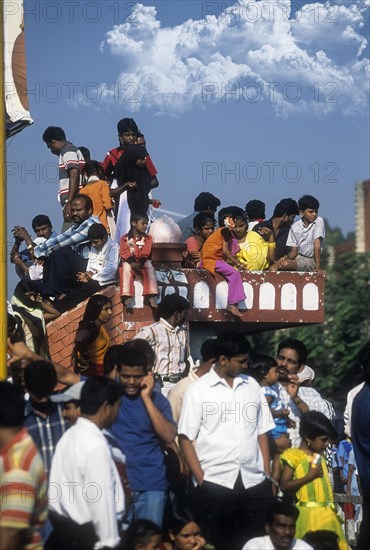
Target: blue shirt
{"points": [[140, 444], [361, 435], [281, 424], [75, 237], [343, 451], [186, 225]]}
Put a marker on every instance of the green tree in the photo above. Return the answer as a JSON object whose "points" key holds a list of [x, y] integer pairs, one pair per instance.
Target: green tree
{"points": [[333, 235], [334, 345]]}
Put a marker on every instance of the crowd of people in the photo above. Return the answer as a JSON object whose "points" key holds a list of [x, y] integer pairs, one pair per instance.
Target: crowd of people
{"points": [[144, 448], [236, 456], [106, 210]]}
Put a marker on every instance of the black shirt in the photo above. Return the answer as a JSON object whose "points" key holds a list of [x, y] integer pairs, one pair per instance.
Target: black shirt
{"points": [[360, 427], [281, 238]]}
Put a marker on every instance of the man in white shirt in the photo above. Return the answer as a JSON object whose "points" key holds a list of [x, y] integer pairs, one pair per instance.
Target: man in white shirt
{"points": [[86, 499], [280, 528], [223, 436]]}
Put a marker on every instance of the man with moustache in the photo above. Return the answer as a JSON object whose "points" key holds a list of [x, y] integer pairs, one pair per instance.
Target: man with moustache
{"points": [[291, 359], [67, 254]]}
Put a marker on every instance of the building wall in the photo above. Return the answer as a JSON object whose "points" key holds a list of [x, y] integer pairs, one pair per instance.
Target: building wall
{"points": [[362, 204]]}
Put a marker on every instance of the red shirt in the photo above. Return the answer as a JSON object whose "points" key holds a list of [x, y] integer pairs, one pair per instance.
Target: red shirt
{"points": [[135, 249]]}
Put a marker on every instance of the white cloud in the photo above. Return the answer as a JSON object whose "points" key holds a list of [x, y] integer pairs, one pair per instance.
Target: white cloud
{"points": [[308, 63]]}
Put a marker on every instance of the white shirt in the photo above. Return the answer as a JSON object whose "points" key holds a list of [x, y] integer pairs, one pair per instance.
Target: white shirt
{"points": [[251, 225], [104, 263], [176, 394], [348, 410], [224, 423], [264, 543], [35, 272], [84, 484], [303, 236]]}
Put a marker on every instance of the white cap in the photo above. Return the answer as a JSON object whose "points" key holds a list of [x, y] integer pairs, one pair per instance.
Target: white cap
{"points": [[306, 374], [73, 393]]}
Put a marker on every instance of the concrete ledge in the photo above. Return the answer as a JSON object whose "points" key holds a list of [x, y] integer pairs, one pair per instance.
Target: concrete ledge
{"points": [[274, 300]]}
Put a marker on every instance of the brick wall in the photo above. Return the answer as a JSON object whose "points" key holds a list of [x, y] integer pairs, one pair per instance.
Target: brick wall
{"points": [[61, 333]]}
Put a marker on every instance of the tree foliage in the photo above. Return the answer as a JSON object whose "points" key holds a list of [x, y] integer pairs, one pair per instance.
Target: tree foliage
{"points": [[334, 345]]}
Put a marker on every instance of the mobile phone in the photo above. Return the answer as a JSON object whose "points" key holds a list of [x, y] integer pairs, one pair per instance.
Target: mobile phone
{"points": [[316, 460]]}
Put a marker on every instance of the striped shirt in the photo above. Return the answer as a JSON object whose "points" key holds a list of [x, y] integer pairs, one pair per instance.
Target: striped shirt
{"points": [[23, 490], [45, 431], [170, 344], [70, 157], [75, 236], [303, 236]]}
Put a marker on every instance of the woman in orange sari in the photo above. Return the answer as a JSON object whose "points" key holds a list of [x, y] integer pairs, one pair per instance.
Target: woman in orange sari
{"points": [[92, 340], [220, 248]]}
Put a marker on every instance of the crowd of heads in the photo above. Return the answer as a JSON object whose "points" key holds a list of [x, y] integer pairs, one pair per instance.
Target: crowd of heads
{"points": [[127, 366], [98, 399], [81, 206]]}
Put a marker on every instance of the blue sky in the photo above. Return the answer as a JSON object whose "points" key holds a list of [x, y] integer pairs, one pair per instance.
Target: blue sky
{"points": [[257, 99]]}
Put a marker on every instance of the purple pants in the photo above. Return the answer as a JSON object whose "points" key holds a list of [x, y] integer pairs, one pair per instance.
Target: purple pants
{"points": [[234, 281]]}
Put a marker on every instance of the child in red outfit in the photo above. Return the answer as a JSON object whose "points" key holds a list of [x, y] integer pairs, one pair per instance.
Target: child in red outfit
{"points": [[135, 252]]}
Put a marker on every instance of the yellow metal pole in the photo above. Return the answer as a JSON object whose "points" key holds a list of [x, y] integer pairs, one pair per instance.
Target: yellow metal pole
{"points": [[3, 259]]}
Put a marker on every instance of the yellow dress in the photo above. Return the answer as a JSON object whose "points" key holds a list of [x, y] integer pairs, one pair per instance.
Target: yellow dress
{"points": [[315, 499], [253, 252]]}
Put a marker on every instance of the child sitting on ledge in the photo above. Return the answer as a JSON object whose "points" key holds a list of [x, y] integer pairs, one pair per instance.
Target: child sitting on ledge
{"points": [[135, 252], [204, 226], [222, 246]]}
